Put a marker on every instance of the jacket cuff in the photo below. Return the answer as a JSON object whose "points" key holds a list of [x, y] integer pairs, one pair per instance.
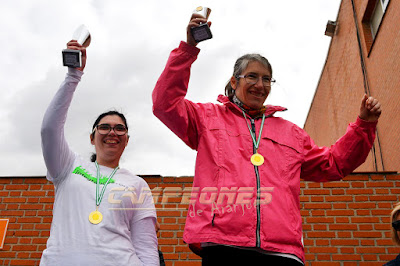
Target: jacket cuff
{"points": [[365, 124], [75, 72], [192, 50]]}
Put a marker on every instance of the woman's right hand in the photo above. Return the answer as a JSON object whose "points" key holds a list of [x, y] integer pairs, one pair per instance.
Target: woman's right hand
{"points": [[195, 21], [74, 45]]}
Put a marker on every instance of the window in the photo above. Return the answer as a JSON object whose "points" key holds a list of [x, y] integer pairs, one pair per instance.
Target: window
{"points": [[377, 15], [371, 21]]}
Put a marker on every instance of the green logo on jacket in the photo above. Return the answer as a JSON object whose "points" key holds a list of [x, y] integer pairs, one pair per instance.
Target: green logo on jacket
{"points": [[83, 172]]}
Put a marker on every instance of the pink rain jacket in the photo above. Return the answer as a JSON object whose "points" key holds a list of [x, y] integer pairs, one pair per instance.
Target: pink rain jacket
{"points": [[223, 206]]}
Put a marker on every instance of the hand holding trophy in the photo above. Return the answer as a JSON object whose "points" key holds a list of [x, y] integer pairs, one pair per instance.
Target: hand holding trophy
{"points": [[199, 28], [75, 54]]}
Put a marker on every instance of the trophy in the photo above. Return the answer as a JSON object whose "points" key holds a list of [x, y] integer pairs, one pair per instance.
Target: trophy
{"points": [[73, 58], [202, 32]]}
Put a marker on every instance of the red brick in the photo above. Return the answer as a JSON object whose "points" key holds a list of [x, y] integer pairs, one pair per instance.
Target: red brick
{"points": [[48, 187], [380, 184], [370, 257], [342, 227], [317, 192], [339, 198], [23, 262], [343, 257], [11, 213], [358, 184], [320, 220], [14, 200], [33, 193], [342, 220], [5, 254], [26, 233], [344, 234], [324, 263], [336, 184], [317, 206], [17, 187], [391, 198], [359, 191], [23, 255], [29, 220], [187, 263], [365, 220], [27, 226], [318, 212], [361, 198], [323, 250], [370, 250], [367, 205], [24, 248], [35, 187], [337, 191], [363, 212], [321, 234], [367, 234], [340, 212], [31, 207]]}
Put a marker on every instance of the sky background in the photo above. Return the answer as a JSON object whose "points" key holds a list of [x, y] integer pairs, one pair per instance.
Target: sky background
{"points": [[131, 42]]}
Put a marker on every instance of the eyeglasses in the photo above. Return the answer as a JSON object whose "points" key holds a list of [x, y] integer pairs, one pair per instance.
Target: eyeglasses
{"points": [[396, 225], [104, 129], [253, 79]]}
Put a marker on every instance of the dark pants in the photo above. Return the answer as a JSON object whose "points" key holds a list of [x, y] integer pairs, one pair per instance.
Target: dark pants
{"points": [[223, 255]]}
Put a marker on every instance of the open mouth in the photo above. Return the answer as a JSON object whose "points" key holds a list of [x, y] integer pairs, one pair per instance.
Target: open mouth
{"points": [[111, 141]]}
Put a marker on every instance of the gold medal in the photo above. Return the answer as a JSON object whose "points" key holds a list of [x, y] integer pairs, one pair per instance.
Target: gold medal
{"points": [[257, 159], [95, 217]]}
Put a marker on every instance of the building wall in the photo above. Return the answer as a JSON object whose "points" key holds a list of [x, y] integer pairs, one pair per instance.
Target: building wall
{"points": [[341, 87], [344, 223]]}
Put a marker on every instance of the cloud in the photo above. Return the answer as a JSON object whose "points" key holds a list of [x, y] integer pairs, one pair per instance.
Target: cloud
{"points": [[130, 45]]}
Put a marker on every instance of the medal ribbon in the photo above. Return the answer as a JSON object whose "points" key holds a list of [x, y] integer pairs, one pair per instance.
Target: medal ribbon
{"points": [[99, 198], [253, 137]]}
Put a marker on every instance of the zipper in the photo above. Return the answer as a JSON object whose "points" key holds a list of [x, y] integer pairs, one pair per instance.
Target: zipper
{"points": [[258, 240]]}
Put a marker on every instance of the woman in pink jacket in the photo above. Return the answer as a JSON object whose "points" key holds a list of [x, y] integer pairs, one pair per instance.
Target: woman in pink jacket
{"points": [[245, 200]]}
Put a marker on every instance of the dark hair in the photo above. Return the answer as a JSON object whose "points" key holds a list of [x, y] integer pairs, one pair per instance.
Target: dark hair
{"points": [[240, 66], [93, 156]]}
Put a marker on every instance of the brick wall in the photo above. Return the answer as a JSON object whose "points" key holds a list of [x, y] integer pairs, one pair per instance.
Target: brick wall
{"points": [[344, 223], [340, 89]]}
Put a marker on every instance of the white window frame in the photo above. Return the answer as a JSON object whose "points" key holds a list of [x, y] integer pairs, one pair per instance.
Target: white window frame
{"points": [[383, 4]]}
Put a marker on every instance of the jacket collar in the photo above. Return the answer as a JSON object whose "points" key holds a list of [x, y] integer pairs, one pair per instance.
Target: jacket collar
{"points": [[270, 111]]}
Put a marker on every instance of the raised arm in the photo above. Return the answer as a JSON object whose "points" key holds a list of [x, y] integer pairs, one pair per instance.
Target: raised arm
{"points": [[349, 152], [56, 152]]}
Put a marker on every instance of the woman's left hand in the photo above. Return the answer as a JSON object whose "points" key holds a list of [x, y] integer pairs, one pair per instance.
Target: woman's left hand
{"points": [[370, 109]]}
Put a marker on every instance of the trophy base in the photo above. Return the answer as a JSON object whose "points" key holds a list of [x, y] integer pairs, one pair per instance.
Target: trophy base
{"points": [[72, 58], [201, 33]]}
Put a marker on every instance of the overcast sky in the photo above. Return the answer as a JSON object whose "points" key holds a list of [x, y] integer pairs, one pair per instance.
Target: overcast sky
{"points": [[131, 41]]}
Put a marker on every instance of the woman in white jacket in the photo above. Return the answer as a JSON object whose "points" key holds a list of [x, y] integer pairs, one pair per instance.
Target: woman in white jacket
{"points": [[102, 214]]}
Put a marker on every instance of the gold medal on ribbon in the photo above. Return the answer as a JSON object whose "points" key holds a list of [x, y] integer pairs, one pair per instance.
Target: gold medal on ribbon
{"points": [[257, 159], [95, 217]]}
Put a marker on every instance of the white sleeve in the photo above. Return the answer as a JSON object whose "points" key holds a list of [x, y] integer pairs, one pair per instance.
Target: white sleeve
{"points": [[144, 240], [56, 152]]}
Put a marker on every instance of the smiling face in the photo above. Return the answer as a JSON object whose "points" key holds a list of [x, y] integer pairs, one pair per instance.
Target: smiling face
{"points": [[109, 147], [252, 95]]}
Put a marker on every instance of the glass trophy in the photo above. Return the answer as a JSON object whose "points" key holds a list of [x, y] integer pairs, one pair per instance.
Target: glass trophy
{"points": [[73, 58], [202, 32]]}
